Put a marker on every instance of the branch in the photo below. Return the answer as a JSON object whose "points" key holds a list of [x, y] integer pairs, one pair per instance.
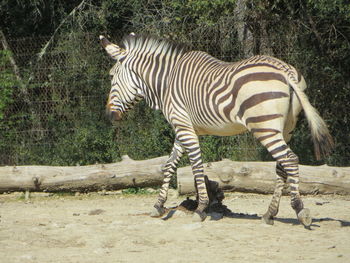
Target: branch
{"points": [[6, 46], [43, 50]]}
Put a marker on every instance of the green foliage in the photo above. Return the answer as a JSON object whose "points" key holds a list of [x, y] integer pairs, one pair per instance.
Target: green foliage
{"points": [[7, 82], [83, 135], [137, 190], [65, 125], [204, 12], [240, 148], [34, 17], [144, 134]]}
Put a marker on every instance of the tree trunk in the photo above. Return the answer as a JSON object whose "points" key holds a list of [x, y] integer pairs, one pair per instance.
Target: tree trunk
{"points": [[259, 177], [16, 71], [22, 85], [124, 174], [254, 177], [245, 36], [6, 46]]}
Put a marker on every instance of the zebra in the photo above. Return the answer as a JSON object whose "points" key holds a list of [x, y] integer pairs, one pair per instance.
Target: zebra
{"points": [[202, 95]]}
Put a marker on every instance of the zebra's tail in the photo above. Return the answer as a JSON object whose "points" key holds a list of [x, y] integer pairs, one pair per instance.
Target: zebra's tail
{"points": [[323, 141]]}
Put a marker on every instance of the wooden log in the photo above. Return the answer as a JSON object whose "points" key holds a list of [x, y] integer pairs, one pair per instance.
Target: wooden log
{"points": [[259, 177], [254, 177], [124, 174]]}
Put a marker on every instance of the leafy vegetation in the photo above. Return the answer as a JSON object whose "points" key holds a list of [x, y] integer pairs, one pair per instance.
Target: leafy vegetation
{"points": [[7, 80], [138, 190], [60, 121]]}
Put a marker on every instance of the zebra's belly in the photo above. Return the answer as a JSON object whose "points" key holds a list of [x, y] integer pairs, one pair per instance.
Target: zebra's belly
{"points": [[226, 129]]}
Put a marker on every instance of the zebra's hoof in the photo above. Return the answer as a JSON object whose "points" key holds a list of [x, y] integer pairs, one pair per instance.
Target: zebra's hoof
{"points": [[157, 211], [199, 216], [267, 219], [304, 217]]}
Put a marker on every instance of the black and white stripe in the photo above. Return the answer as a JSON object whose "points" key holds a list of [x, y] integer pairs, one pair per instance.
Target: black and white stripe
{"points": [[199, 94]]}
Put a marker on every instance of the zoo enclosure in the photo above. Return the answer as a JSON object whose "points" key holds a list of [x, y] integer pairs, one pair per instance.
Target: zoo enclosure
{"points": [[59, 119]]}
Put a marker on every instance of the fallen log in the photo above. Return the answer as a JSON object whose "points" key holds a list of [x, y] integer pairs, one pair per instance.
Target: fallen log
{"points": [[253, 177], [259, 177], [121, 175]]}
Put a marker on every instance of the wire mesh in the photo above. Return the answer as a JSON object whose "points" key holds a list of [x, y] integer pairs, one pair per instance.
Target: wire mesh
{"points": [[67, 87]]}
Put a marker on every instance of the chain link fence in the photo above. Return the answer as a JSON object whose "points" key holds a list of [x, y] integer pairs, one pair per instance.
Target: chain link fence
{"points": [[57, 116]]}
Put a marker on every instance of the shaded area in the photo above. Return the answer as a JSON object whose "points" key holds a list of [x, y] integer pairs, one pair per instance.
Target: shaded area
{"points": [[188, 206]]}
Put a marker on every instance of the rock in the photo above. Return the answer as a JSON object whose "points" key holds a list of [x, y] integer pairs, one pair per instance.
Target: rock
{"points": [[96, 212], [27, 257], [322, 203], [178, 214], [103, 192], [192, 226], [59, 225], [151, 190]]}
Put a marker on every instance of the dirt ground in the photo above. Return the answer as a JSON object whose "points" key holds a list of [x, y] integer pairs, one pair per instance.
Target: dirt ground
{"points": [[117, 228]]}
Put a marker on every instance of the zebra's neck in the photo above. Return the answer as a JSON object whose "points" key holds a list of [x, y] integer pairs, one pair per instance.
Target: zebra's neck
{"points": [[153, 61]]}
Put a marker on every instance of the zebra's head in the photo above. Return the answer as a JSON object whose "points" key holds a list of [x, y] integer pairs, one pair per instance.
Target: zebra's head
{"points": [[126, 88]]}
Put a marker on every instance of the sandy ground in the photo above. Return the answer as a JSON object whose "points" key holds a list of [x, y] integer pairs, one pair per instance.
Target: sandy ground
{"points": [[116, 228]]}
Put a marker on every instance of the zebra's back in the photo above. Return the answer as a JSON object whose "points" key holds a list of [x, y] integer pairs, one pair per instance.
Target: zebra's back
{"points": [[225, 98]]}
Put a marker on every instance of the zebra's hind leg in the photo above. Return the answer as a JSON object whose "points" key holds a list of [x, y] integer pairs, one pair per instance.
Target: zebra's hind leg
{"points": [[273, 140], [168, 170], [290, 164], [275, 202]]}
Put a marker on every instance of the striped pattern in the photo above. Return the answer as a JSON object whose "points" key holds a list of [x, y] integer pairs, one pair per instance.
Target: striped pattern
{"points": [[199, 94]]}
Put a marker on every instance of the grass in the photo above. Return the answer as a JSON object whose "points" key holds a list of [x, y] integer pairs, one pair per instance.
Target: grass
{"points": [[139, 191]]}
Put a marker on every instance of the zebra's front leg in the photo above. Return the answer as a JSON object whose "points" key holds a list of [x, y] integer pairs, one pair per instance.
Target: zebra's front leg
{"points": [[275, 202], [189, 140], [168, 170]]}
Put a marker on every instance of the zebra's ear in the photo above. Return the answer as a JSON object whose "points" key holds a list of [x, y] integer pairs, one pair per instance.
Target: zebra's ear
{"points": [[113, 50]]}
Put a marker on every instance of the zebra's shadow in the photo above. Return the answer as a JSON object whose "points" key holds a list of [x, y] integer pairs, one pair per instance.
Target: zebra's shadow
{"points": [[292, 221], [218, 211]]}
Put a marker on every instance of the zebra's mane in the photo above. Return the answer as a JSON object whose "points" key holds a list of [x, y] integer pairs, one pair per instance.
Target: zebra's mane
{"points": [[151, 44]]}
